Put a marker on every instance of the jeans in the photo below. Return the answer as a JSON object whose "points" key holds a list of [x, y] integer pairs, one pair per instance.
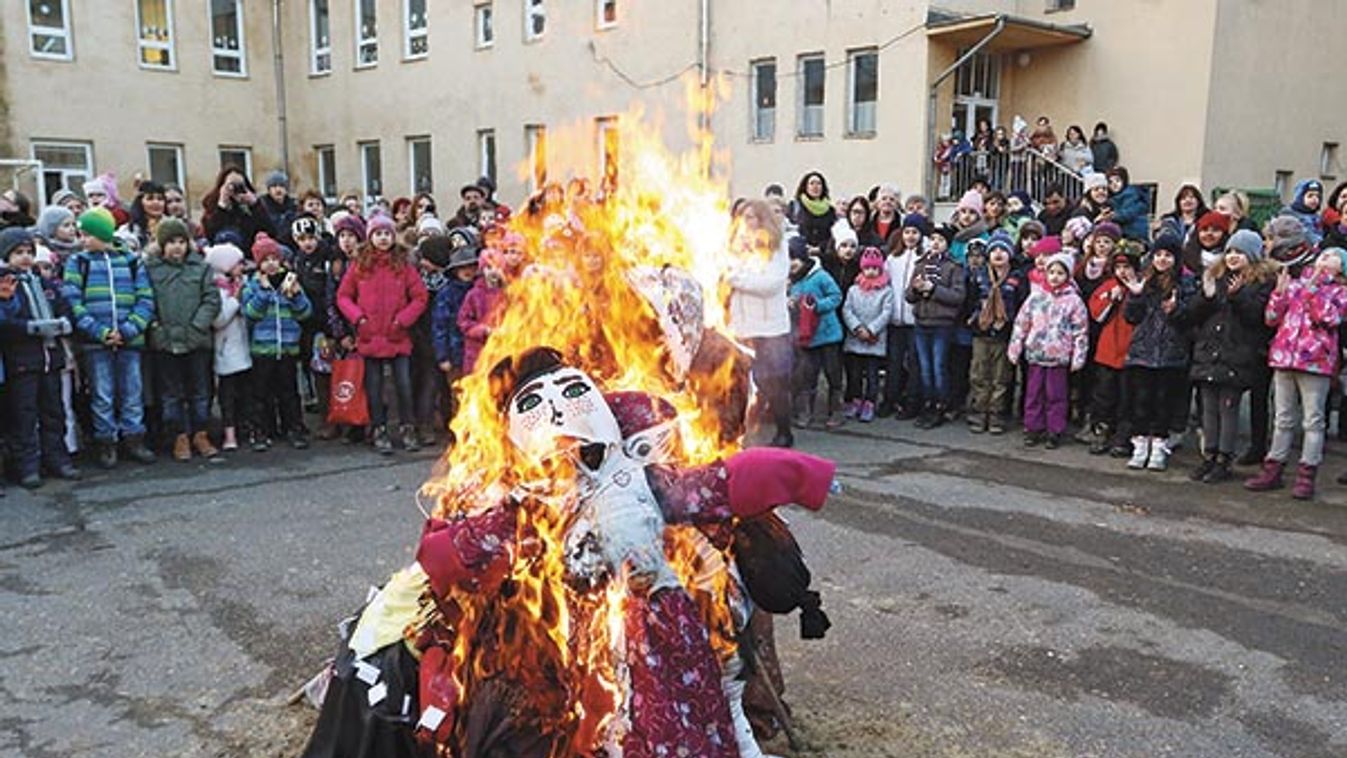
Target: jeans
{"points": [[932, 347], [38, 416], [899, 361], [1220, 417], [990, 376], [275, 391], [402, 383], [1310, 393], [184, 390], [1047, 399], [117, 404], [862, 376]]}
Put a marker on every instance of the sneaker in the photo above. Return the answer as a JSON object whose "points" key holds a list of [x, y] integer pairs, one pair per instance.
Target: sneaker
{"points": [[977, 424], [1087, 435], [1141, 452], [867, 412], [1033, 439], [383, 444], [906, 413], [1200, 473], [410, 442], [134, 447], [1159, 457], [925, 419], [107, 454], [1053, 442], [1220, 471], [260, 443], [299, 440], [30, 481], [852, 409], [996, 426]]}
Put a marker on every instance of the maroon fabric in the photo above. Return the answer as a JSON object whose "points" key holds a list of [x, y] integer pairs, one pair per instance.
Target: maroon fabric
{"points": [[677, 704], [472, 553], [691, 495], [638, 411], [390, 299], [763, 478]]}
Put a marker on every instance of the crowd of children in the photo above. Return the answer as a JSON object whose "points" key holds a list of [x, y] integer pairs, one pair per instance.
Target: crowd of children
{"points": [[123, 327]]}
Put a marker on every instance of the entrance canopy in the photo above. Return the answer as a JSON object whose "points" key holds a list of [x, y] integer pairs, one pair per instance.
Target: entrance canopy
{"points": [[1016, 33]]}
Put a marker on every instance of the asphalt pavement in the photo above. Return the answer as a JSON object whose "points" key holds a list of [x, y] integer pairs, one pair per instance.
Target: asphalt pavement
{"points": [[987, 600]]}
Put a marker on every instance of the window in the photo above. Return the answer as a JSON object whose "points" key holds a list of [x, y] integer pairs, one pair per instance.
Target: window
{"points": [[606, 130], [486, 33], [811, 77], [154, 33], [416, 37], [240, 158], [1282, 183], [535, 20], [486, 153], [862, 91], [605, 14], [65, 165], [226, 38], [1328, 161], [762, 88], [1060, 5], [49, 29], [327, 171], [165, 163], [418, 165], [535, 141], [320, 38], [371, 172], [979, 77], [366, 33]]}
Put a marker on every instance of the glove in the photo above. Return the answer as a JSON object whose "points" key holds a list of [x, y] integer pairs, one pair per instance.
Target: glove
{"points": [[763, 478]]}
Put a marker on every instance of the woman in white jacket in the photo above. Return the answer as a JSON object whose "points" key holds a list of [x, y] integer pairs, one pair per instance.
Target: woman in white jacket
{"points": [[233, 359], [757, 277]]}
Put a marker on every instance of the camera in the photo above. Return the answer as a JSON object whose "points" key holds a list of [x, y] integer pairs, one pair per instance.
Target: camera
{"points": [[236, 188]]}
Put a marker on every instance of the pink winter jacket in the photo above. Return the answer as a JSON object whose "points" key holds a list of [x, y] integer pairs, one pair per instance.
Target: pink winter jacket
{"points": [[1051, 329], [1306, 317], [480, 314], [391, 300]]}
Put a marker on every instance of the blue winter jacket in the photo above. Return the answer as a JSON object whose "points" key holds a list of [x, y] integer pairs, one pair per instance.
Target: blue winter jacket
{"points": [[274, 318], [444, 329], [1130, 212], [106, 291], [1307, 218], [827, 296]]}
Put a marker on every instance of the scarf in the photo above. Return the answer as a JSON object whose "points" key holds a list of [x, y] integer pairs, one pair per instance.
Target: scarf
{"points": [[1094, 268], [994, 309], [816, 207], [872, 283]]}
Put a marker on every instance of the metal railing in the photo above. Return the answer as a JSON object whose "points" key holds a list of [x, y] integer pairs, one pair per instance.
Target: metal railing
{"points": [[1028, 170]]}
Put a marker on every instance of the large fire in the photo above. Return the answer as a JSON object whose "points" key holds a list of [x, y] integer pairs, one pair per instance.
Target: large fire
{"points": [[584, 251]]}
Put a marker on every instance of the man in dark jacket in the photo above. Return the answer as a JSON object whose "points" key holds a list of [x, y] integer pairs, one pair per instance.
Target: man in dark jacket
{"points": [[1102, 147], [279, 206]]}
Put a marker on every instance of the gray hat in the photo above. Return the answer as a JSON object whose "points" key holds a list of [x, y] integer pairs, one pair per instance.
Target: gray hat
{"points": [[277, 179], [463, 256], [1247, 242]]}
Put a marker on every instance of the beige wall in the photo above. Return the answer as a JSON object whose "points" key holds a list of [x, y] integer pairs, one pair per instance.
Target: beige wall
{"points": [[104, 97]]}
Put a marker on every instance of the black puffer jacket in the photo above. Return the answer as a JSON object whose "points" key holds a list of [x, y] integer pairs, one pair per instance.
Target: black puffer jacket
{"points": [[1230, 337], [1158, 339]]}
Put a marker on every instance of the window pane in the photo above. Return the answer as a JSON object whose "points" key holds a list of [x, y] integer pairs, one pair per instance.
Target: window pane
{"points": [[164, 165], [416, 14], [373, 170], [236, 158], [813, 81], [322, 34], [485, 33], [422, 176], [866, 78], [48, 44], [61, 156], [536, 21], [766, 85], [369, 20], [608, 11], [48, 13], [487, 144], [224, 25], [227, 63], [327, 171]]}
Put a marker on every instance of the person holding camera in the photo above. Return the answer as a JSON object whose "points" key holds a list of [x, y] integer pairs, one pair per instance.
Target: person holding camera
{"points": [[275, 304], [232, 211]]}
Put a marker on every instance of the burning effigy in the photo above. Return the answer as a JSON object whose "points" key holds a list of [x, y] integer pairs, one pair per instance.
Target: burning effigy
{"points": [[597, 539]]}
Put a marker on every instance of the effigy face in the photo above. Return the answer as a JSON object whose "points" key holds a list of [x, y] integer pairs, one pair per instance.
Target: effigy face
{"points": [[551, 413]]}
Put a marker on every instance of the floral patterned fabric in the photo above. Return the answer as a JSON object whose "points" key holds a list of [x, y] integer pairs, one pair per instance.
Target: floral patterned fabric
{"points": [[1051, 329], [1306, 317]]}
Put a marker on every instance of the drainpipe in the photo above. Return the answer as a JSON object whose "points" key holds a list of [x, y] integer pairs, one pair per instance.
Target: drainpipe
{"points": [[278, 61], [704, 64], [930, 107]]}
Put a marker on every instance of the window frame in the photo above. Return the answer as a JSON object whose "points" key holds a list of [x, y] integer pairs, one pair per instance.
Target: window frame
{"points": [[1328, 160], [754, 94], [372, 195], [600, 23], [409, 35], [245, 150], [179, 158], [535, 153], [487, 158], [241, 54], [1059, 6], [87, 147], [1282, 182], [603, 127], [322, 172], [65, 32], [802, 62], [529, 8], [361, 41], [478, 27], [412, 142], [317, 50], [853, 61], [170, 46]]}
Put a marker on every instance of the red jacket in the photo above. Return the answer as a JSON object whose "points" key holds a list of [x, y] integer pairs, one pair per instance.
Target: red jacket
{"points": [[481, 312], [389, 300], [1116, 336]]}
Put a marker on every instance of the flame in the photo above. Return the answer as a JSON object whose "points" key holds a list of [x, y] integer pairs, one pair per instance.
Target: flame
{"points": [[653, 208]]}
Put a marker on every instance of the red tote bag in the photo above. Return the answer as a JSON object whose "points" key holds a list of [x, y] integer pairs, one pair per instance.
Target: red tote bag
{"points": [[348, 404], [807, 322]]}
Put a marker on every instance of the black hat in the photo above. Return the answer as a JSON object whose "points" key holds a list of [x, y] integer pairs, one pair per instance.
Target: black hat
{"points": [[474, 187], [1170, 242], [437, 251], [304, 226], [799, 249], [944, 231]]}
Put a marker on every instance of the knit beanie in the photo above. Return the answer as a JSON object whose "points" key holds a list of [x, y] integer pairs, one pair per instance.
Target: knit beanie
{"points": [[429, 224], [1108, 229], [277, 179], [222, 258], [463, 256], [464, 236], [1049, 246], [798, 249], [842, 232], [1342, 256], [265, 247], [1024, 198], [1080, 227], [1248, 242], [918, 222], [99, 224], [436, 250], [350, 223], [1033, 226], [12, 237], [94, 185], [944, 232], [1286, 232], [1214, 219], [972, 200], [1170, 242], [872, 258], [1065, 259], [62, 196], [1095, 179], [52, 217], [170, 228], [304, 226], [379, 220], [1001, 240]]}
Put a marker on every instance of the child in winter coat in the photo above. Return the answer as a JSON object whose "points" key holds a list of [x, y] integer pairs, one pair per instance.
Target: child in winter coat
{"points": [[382, 296], [186, 301], [1206, 245], [447, 337], [233, 354], [1304, 356], [112, 304], [811, 288], [33, 318], [865, 314], [991, 375], [311, 260], [1307, 207], [936, 292], [1131, 211], [1092, 270], [1050, 334], [483, 307], [900, 377], [1108, 391], [1157, 359], [275, 305], [1230, 346], [433, 256]]}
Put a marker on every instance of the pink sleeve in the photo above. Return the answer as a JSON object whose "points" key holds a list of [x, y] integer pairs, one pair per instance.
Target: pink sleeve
{"points": [[763, 478]]}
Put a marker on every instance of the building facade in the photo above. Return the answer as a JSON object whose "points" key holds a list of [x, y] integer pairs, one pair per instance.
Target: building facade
{"points": [[389, 97]]}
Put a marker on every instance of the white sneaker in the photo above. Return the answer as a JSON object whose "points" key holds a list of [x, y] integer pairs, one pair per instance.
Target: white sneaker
{"points": [[1159, 458], [1141, 451]]}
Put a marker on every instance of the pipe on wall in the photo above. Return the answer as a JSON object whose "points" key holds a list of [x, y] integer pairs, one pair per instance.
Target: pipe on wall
{"points": [[278, 61]]}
